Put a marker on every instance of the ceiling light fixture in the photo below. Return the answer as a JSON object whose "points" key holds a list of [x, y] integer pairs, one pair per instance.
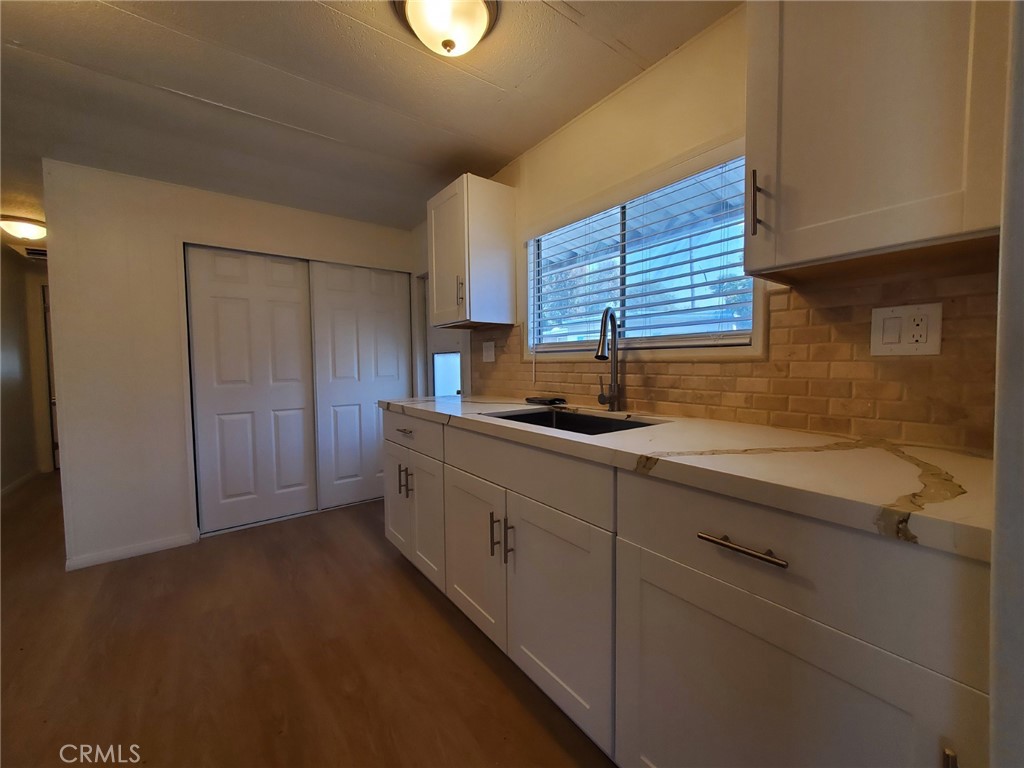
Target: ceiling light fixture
{"points": [[22, 228], [448, 27]]}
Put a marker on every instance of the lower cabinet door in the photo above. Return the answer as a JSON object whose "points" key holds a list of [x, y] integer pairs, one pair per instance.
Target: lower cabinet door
{"points": [[560, 585], [473, 541], [426, 496], [711, 675], [397, 507]]}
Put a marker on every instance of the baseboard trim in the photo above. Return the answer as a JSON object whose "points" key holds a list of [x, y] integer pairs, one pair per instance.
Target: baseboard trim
{"points": [[131, 550], [13, 486]]}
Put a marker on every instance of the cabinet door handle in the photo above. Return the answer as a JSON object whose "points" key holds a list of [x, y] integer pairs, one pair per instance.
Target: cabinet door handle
{"points": [[754, 191], [765, 557], [459, 285], [949, 759], [406, 432], [408, 474], [506, 548], [401, 485], [490, 535]]}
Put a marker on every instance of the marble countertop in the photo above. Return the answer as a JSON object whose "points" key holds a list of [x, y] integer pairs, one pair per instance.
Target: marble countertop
{"points": [[932, 497]]}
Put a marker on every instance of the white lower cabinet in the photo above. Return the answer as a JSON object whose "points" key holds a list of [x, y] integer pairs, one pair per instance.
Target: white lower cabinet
{"points": [[474, 552], [539, 584], [560, 611], [397, 509], [711, 675], [414, 508], [679, 643]]}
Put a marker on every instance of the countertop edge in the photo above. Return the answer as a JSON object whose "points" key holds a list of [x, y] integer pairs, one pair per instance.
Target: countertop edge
{"points": [[956, 537]]}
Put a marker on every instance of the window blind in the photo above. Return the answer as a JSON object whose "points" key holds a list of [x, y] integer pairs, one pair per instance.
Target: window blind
{"points": [[669, 263]]}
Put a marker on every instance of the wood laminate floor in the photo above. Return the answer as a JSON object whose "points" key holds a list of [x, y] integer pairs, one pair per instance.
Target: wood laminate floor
{"points": [[309, 642]]}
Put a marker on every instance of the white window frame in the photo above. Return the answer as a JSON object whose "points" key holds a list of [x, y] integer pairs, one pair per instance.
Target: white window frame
{"points": [[685, 350]]}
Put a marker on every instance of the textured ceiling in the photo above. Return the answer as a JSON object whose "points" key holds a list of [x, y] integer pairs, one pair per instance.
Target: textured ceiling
{"points": [[327, 106]]}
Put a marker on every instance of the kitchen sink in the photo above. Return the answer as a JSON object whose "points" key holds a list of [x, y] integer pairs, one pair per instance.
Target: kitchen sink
{"points": [[581, 423]]}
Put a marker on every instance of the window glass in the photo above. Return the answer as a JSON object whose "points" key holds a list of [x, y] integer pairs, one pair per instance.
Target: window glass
{"points": [[670, 263]]}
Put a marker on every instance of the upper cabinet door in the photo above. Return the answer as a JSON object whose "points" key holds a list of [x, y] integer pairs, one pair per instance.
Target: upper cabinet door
{"points": [[448, 241], [470, 231], [871, 126]]}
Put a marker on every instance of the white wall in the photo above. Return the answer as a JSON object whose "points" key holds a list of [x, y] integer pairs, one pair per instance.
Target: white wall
{"points": [[117, 287], [682, 115], [691, 101]]}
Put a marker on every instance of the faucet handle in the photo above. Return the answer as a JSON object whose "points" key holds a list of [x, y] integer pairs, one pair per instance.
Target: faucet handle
{"points": [[602, 398]]}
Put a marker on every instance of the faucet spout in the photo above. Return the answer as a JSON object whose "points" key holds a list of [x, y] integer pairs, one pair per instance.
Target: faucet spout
{"points": [[608, 348]]}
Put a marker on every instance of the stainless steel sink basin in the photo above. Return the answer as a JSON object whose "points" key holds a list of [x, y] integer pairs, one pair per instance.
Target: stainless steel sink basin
{"points": [[581, 423]]}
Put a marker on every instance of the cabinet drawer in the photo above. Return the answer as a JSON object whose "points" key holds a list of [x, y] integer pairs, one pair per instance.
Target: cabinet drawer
{"points": [[927, 606], [423, 436], [707, 674], [578, 488]]}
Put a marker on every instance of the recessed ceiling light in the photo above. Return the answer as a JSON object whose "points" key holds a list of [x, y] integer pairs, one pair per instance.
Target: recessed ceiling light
{"points": [[23, 229], [448, 27]]}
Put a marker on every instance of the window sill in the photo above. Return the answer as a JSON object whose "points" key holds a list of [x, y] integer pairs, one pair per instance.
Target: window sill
{"points": [[756, 350], [744, 353]]}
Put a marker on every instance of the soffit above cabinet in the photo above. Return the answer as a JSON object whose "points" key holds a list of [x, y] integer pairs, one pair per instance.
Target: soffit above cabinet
{"points": [[326, 106]]}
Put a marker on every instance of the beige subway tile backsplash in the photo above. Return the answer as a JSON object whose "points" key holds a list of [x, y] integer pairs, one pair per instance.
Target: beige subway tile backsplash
{"points": [[818, 375]]}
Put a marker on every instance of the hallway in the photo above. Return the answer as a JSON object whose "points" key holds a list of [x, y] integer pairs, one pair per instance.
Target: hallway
{"points": [[310, 642]]}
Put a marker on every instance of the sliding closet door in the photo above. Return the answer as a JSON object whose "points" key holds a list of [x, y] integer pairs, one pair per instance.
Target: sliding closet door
{"points": [[363, 350], [252, 387]]}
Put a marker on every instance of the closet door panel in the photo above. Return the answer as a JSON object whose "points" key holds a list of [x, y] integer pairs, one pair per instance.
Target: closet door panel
{"points": [[362, 350], [252, 386]]}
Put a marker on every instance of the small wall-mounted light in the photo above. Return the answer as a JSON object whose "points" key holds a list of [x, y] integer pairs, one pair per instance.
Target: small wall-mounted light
{"points": [[448, 27], [22, 228]]}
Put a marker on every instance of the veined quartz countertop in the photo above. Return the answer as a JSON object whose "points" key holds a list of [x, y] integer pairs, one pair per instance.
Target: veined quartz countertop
{"points": [[932, 497]]}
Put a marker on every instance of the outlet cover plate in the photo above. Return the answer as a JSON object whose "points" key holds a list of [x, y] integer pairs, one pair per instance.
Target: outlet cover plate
{"points": [[488, 351], [912, 329]]}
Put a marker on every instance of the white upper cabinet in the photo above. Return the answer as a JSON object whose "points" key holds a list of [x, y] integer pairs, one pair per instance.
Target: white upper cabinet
{"points": [[871, 127], [470, 235]]}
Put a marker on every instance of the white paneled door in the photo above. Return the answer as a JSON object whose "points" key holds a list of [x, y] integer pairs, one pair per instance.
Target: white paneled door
{"points": [[362, 340], [252, 384]]}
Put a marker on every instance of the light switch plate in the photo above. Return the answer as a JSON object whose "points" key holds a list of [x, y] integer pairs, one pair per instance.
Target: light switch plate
{"points": [[912, 329], [488, 351]]}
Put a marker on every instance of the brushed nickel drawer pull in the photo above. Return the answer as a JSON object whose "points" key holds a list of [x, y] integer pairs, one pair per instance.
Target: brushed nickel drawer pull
{"points": [[754, 190], [505, 547], [495, 543], [406, 432], [725, 542]]}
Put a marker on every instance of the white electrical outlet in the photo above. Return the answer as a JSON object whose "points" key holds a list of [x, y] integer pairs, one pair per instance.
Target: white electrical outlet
{"points": [[918, 331], [488, 351], [913, 329]]}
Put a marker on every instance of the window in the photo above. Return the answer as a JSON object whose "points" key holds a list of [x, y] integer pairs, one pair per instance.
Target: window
{"points": [[669, 263]]}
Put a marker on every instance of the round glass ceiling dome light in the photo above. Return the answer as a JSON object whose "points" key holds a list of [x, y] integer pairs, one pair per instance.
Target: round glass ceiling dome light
{"points": [[23, 229], [449, 27]]}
